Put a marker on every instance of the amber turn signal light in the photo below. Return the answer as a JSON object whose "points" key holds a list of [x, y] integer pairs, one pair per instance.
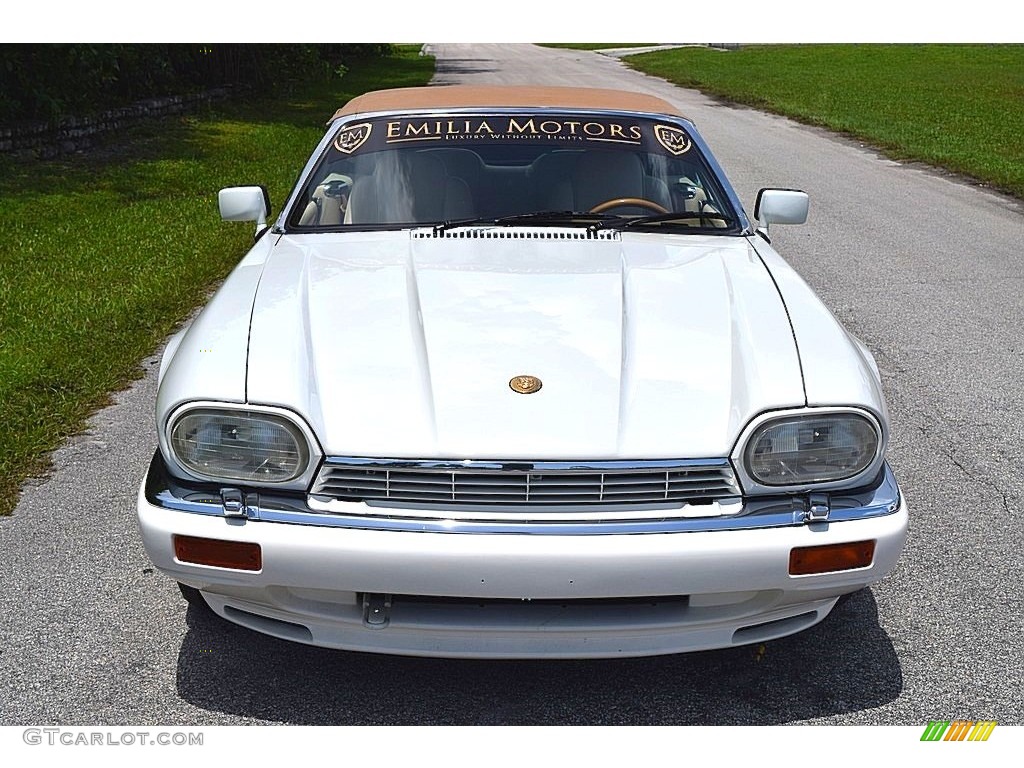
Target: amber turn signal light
{"points": [[240, 555], [831, 557]]}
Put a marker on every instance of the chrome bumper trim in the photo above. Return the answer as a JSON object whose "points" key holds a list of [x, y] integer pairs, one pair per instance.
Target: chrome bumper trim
{"points": [[165, 492]]}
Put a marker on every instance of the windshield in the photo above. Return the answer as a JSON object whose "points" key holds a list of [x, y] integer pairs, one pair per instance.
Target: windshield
{"points": [[397, 171]]}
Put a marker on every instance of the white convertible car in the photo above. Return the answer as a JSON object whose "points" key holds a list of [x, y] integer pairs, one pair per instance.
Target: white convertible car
{"points": [[513, 374]]}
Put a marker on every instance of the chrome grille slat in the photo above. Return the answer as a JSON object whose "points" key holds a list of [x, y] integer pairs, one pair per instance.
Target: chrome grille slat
{"points": [[519, 483]]}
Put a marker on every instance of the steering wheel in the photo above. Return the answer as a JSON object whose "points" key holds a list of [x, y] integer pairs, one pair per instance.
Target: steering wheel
{"points": [[620, 202], [336, 185]]}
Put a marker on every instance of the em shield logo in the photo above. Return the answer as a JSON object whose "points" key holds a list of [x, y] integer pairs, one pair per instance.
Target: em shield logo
{"points": [[958, 730], [352, 137]]}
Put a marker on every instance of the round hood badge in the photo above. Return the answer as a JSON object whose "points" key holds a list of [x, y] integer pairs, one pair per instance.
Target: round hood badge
{"points": [[525, 385]]}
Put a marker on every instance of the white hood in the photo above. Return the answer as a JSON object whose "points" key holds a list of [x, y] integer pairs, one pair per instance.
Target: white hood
{"points": [[394, 345]]}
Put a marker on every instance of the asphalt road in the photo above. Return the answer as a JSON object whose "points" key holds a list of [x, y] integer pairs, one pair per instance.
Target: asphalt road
{"points": [[927, 270]]}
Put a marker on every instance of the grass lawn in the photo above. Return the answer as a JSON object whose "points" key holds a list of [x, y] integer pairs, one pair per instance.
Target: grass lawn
{"points": [[104, 254], [959, 107]]}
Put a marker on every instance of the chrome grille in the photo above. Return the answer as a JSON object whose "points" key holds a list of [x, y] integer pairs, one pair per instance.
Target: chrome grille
{"points": [[526, 483]]}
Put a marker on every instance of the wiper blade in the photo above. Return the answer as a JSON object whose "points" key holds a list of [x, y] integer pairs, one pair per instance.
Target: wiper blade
{"points": [[534, 217], [625, 222]]}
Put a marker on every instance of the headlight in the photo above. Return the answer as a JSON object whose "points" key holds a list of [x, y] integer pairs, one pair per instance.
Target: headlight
{"points": [[238, 445], [797, 450]]}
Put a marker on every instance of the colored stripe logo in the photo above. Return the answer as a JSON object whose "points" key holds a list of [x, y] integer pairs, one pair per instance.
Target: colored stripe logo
{"points": [[958, 730]]}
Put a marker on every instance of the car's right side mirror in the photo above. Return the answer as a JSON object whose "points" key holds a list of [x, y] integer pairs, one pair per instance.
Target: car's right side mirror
{"points": [[245, 204], [780, 206]]}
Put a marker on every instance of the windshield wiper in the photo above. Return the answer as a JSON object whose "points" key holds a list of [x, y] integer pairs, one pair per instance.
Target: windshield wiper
{"points": [[534, 217], [625, 222]]}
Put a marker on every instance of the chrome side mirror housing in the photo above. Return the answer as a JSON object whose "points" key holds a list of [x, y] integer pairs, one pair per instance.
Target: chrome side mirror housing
{"points": [[780, 206], [245, 204]]}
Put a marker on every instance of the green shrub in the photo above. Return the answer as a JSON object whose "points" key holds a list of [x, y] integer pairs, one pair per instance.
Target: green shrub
{"points": [[43, 82]]}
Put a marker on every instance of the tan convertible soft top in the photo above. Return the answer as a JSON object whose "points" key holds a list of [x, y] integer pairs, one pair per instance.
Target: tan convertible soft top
{"points": [[455, 96]]}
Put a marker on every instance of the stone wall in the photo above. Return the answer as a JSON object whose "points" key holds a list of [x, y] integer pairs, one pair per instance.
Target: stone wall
{"points": [[71, 134]]}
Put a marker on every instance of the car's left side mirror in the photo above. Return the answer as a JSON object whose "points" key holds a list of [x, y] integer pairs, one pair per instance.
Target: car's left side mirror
{"points": [[780, 206], [245, 204]]}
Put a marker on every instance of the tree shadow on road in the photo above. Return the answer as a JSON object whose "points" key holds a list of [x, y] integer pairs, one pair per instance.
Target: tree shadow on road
{"points": [[845, 664], [452, 71]]}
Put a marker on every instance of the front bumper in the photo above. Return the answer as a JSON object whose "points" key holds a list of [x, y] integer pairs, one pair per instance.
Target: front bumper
{"points": [[509, 595]]}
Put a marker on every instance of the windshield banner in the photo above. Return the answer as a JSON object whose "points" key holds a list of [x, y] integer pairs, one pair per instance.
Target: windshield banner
{"points": [[648, 135]]}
